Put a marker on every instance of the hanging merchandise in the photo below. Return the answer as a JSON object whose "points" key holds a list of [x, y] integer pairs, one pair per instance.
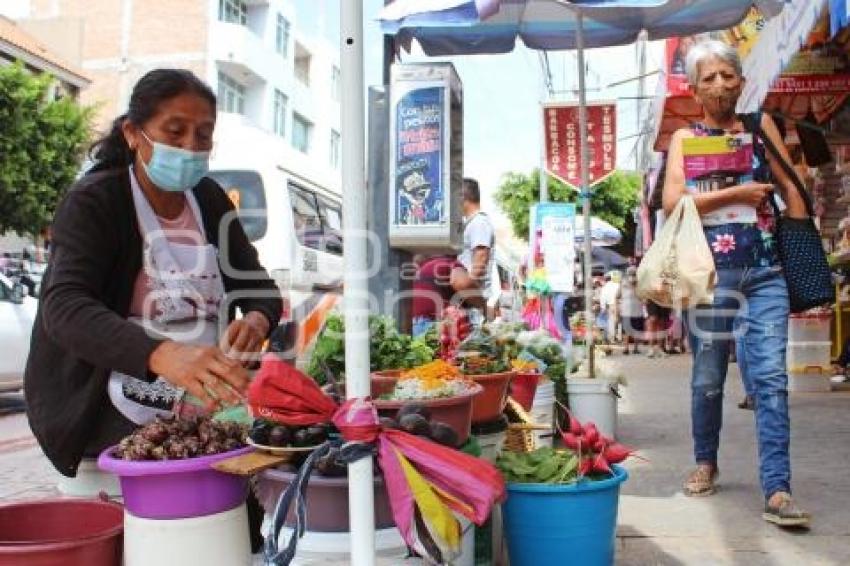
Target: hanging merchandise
{"points": [[426, 159]]}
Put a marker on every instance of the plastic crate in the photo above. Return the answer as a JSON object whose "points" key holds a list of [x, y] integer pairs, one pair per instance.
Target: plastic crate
{"points": [[805, 356], [809, 328], [810, 381]]}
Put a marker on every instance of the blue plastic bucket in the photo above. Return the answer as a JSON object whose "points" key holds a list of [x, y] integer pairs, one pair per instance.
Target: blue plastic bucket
{"points": [[563, 524]]}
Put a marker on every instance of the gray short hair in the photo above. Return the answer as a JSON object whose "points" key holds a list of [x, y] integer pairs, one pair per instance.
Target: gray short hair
{"points": [[707, 49]]}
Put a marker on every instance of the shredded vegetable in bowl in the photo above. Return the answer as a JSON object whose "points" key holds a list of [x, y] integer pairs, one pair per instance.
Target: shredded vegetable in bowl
{"points": [[430, 381]]}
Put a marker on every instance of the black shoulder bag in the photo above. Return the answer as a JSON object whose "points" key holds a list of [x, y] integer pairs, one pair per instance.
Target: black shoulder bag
{"points": [[798, 241]]}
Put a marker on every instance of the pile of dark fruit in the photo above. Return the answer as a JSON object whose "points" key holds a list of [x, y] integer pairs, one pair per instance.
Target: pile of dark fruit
{"points": [[170, 438], [276, 435], [415, 418]]}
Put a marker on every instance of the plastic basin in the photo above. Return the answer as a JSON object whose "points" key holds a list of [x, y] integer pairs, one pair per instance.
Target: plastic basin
{"points": [[523, 387], [545, 523], [453, 411], [488, 406], [177, 489], [61, 532], [326, 498], [383, 382]]}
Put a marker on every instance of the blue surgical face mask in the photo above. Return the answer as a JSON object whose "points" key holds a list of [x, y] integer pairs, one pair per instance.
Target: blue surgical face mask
{"points": [[175, 169]]}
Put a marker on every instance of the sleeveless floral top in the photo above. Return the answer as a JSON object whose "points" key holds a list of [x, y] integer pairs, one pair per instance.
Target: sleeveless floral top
{"points": [[740, 245]]}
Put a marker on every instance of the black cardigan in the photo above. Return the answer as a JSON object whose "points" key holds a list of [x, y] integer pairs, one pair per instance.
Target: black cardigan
{"points": [[81, 333]]}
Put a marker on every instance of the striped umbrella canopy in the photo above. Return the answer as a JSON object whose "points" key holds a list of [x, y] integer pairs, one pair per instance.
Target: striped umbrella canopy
{"points": [[458, 27]]}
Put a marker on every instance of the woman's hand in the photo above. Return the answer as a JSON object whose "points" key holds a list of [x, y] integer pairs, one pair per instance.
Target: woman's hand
{"points": [[244, 338], [752, 193], [203, 371]]}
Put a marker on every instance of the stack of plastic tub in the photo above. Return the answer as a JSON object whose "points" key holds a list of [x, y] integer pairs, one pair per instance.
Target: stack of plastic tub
{"points": [[182, 512], [809, 349]]}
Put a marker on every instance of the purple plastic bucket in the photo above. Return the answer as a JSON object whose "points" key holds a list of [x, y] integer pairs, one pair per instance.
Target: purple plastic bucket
{"points": [[177, 489]]}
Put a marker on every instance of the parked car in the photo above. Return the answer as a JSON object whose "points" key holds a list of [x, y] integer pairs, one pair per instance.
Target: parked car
{"points": [[17, 313]]}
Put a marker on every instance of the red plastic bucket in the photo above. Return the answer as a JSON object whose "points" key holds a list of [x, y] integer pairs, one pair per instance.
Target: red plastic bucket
{"points": [[61, 532], [523, 388]]}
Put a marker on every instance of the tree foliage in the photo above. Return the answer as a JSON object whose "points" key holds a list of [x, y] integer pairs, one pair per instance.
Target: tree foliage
{"points": [[613, 200], [41, 146]]}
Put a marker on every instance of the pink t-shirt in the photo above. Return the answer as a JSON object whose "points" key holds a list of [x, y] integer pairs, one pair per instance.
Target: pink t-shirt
{"points": [[181, 230]]}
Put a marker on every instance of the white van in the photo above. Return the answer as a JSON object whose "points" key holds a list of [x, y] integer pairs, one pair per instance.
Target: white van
{"points": [[295, 224]]}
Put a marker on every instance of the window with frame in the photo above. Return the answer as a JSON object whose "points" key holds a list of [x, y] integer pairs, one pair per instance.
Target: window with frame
{"points": [[303, 60], [301, 132], [280, 103], [305, 216], [231, 95], [233, 11], [336, 83], [281, 41], [245, 190], [330, 213], [335, 149]]}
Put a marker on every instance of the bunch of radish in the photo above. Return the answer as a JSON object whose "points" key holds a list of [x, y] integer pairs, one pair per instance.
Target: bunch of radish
{"points": [[454, 329], [596, 452]]}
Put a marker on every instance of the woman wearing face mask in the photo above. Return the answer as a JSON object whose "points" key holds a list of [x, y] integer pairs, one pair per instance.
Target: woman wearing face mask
{"points": [[146, 254], [750, 286]]}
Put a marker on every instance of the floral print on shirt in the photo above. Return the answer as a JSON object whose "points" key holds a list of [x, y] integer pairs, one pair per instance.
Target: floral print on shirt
{"points": [[738, 245]]}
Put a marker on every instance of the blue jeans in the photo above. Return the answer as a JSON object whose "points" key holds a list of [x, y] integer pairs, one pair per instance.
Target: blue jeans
{"points": [[754, 301]]}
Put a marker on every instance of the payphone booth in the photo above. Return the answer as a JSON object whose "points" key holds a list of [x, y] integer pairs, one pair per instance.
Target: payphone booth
{"points": [[426, 158]]}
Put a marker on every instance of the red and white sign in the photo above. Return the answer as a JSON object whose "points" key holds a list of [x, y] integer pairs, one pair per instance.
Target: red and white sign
{"points": [[563, 146]]}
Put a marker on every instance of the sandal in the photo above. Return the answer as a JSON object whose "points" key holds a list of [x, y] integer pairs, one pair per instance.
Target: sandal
{"points": [[700, 482], [785, 512], [748, 403]]}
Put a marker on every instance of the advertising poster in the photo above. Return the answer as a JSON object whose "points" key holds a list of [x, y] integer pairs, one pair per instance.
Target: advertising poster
{"points": [[563, 148], [552, 241], [419, 157]]}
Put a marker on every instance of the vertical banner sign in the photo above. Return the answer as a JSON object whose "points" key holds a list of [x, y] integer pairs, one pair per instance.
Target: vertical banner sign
{"points": [[552, 240], [563, 154], [419, 157]]}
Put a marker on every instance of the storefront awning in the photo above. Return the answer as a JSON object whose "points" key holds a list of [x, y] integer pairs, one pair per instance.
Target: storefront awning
{"points": [[799, 44]]}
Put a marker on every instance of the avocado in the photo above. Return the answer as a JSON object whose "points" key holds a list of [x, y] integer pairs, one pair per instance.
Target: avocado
{"points": [[415, 424], [279, 436], [441, 433], [413, 408], [301, 438]]}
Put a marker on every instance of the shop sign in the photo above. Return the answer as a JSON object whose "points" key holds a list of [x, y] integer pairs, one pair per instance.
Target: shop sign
{"points": [[552, 241], [563, 146]]}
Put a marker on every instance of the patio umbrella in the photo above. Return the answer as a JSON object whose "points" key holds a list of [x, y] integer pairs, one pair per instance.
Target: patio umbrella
{"points": [[459, 27], [602, 234]]}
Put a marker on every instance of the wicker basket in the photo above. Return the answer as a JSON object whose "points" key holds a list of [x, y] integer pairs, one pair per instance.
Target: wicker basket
{"points": [[521, 426]]}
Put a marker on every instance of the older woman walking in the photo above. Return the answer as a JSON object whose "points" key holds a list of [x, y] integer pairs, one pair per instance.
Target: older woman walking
{"points": [[751, 291]]}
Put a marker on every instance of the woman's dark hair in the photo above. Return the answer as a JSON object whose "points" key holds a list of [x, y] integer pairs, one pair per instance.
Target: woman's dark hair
{"points": [[156, 86]]}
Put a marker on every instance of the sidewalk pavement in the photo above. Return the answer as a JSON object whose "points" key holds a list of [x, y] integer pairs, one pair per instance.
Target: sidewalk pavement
{"points": [[657, 523]]}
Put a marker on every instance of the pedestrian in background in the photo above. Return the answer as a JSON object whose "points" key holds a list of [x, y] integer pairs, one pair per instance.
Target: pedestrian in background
{"points": [[631, 311]]}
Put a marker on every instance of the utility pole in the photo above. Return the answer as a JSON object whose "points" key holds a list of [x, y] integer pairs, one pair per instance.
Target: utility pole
{"points": [[641, 145]]}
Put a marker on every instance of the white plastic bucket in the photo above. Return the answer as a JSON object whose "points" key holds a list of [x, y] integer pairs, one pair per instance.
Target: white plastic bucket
{"points": [[315, 547], [90, 481], [594, 400], [543, 412], [220, 539], [491, 445]]}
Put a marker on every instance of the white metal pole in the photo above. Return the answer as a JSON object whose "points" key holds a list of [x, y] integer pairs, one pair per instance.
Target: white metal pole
{"points": [[585, 191], [356, 292]]}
